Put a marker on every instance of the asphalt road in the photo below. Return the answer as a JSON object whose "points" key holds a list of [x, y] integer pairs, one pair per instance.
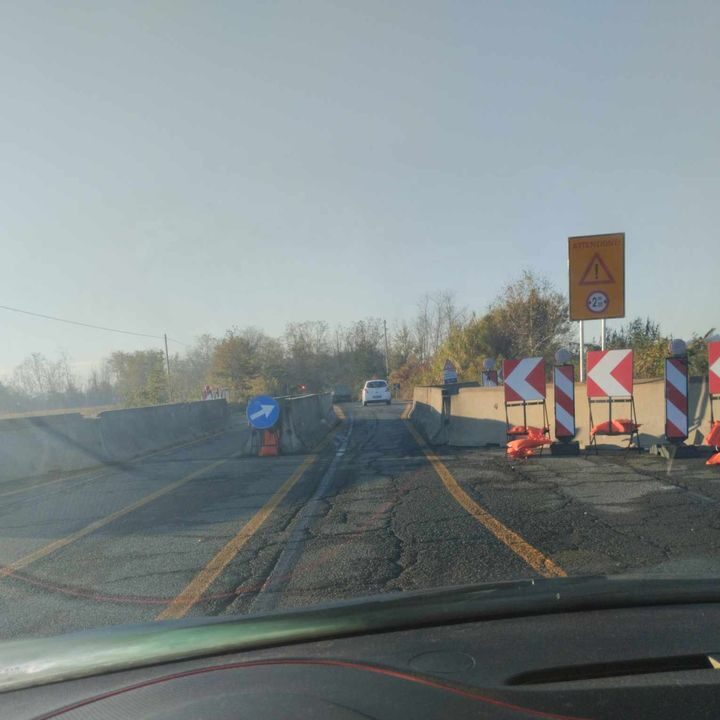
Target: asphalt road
{"points": [[198, 530]]}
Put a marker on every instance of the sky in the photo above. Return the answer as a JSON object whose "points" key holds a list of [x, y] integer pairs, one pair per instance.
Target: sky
{"points": [[186, 167]]}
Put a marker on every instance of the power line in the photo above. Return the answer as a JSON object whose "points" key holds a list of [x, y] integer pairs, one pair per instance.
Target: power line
{"points": [[88, 325]]}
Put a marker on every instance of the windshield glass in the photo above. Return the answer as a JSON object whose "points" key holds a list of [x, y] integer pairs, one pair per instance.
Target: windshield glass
{"points": [[220, 219]]}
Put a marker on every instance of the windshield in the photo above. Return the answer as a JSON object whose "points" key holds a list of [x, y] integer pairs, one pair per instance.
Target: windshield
{"points": [[221, 219]]}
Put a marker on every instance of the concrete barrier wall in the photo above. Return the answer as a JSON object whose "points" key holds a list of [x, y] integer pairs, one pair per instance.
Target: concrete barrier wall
{"points": [[304, 422], [66, 443], [477, 415], [426, 414]]}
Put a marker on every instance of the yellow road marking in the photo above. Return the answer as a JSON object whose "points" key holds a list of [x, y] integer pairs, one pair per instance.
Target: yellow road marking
{"points": [[406, 411], [199, 585], [531, 555], [65, 541], [137, 458], [339, 412]]}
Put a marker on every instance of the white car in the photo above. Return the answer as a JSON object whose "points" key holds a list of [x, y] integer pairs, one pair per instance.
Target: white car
{"points": [[375, 391]]}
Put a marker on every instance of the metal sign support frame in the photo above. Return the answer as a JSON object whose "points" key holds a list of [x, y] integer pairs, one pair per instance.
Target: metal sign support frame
{"points": [[634, 434], [524, 404]]}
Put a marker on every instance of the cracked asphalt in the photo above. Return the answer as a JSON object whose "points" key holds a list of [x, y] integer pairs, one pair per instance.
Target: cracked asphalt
{"points": [[367, 513]]}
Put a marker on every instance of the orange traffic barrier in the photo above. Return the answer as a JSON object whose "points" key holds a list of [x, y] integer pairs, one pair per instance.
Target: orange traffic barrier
{"points": [[523, 447], [713, 437], [270, 444], [714, 459], [615, 427]]}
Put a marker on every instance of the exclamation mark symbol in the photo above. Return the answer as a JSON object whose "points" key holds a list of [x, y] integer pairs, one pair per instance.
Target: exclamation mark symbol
{"points": [[596, 271]]}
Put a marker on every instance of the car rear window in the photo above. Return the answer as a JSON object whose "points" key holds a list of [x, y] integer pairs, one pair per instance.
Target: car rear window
{"points": [[376, 384]]}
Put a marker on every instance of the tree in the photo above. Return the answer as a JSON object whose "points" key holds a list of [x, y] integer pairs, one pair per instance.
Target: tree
{"points": [[248, 362], [437, 316], [38, 376], [191, 372], [99, 389], [529, 318], [140, 377], [308, 355], [698, 353], [402, 345], [645, 339]]}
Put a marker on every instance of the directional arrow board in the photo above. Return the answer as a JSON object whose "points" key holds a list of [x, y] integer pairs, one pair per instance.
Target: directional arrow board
{"points": [[609, 373], [263, 412], [714, 371], [524, 379]]}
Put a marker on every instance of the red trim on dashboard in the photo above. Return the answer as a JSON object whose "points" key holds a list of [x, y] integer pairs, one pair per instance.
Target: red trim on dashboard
{"points": [[363, 667]]}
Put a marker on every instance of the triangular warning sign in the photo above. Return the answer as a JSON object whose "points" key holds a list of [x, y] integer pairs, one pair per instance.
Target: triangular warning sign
{"points": [[597, 273]]}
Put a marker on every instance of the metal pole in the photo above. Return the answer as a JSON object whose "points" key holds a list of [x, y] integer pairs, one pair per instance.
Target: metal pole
{"points": [[582, 351], [167, 362], [602, 334], [387, 364]]}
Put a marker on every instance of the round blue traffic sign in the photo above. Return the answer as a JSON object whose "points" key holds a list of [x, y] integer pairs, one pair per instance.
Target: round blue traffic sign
{"points": [[263, 412]]}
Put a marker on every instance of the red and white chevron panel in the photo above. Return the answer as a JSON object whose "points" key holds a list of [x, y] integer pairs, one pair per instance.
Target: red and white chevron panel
{"points": [[676, 399], [609, 373], [524, 379], [714, 367], [564, 380]]}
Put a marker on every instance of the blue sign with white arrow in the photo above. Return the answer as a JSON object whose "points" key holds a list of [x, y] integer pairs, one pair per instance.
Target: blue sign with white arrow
{"points": [[263, 412]]}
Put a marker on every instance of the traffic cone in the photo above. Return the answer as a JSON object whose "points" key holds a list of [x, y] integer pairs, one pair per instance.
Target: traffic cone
{"points": [[270, 444]]}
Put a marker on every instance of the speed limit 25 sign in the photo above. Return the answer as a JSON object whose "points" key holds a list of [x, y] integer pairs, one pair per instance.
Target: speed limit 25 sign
{"points": [[597, 276]]}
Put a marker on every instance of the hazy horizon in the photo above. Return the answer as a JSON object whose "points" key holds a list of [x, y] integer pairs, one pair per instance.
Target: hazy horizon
{"points": [[184, 167]]}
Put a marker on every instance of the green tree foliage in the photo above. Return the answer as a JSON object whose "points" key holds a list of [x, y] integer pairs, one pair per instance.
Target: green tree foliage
{"points": [[698, 353], [649, 346], [529, 318], [190, 372], [248, 362], [140, 377]]}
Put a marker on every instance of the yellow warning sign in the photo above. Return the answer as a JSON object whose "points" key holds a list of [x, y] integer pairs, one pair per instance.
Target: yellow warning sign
{"points": [[597, 276]]}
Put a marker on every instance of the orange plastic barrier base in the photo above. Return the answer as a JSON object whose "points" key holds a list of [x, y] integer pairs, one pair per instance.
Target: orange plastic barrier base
{"points": [[615, 427], [714, 459], [713, 437], [270, 445], [524, 447]]}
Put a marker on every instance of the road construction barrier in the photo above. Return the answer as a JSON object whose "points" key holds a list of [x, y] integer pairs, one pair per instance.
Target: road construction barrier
{"points": [[524, 387], [610, 381], [713, 376], [564, 385], [676, 399], [36, 445], [270, 444]]}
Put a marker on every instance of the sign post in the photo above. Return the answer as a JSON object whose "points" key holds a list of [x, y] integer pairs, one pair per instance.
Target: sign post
{"points": [[263, 412], [596, 281]]}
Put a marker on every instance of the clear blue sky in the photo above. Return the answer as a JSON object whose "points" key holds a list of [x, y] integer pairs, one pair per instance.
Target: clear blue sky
{"points": [[184, 167]]}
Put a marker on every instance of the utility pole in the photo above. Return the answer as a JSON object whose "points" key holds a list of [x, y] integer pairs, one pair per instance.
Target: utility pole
{"points": [[167, 362], [387, 362]]}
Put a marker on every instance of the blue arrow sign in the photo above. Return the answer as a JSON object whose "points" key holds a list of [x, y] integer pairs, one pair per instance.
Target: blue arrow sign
{"points": [[263, 412]]}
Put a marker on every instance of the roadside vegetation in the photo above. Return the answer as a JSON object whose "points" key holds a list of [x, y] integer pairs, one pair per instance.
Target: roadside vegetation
{"points": [[528, 318]]}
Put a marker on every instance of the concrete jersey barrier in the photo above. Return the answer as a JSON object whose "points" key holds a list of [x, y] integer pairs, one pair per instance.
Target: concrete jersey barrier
{"points": [[38, 445], [304, 421], [477, 414]]}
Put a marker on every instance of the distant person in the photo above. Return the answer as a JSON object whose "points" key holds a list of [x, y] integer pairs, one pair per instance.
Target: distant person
{"points": [[207, 393]]}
